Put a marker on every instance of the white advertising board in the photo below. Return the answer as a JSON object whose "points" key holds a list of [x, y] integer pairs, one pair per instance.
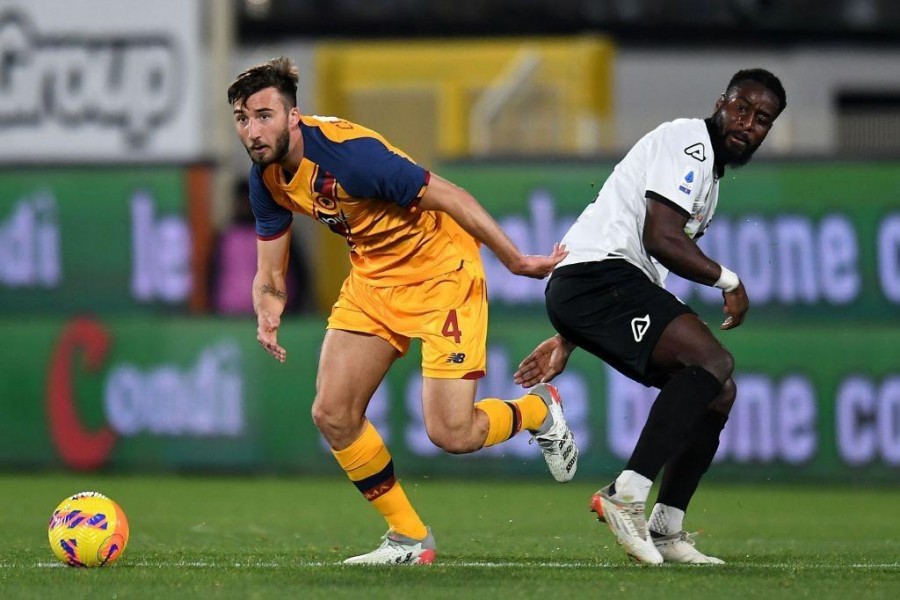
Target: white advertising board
{"points": [[100, 80]]}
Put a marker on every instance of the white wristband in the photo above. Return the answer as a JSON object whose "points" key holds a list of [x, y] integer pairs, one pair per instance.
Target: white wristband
{"points": [[728, 280]]}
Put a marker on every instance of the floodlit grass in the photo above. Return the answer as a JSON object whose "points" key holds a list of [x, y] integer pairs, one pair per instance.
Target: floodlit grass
{"points": [[231, 537]]}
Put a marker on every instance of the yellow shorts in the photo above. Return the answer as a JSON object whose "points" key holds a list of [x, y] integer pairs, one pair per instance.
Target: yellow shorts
{"points": [[449, 313]]}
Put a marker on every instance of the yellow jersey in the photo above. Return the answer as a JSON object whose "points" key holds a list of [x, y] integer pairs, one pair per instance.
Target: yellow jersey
{"points": [[363, 188]]}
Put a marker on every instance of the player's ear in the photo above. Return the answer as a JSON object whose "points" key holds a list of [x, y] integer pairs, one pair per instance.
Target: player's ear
{"points": [[294, 116], [720, 101]]}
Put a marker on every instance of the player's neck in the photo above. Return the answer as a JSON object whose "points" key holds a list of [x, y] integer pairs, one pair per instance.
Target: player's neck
{"points": [[290, 164]]}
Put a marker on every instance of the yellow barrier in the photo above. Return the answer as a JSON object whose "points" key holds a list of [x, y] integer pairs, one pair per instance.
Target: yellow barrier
{"points": [[452, 99]]}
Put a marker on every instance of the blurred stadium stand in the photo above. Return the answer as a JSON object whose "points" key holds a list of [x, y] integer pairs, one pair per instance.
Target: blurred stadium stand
{"points": [[839, 57], [641, 21]]}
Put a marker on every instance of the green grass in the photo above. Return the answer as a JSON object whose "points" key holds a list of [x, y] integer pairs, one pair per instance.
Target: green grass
{"points": [[284, 538]]}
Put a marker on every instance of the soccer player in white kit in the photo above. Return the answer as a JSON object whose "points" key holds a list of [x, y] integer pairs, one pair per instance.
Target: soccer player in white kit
{"points": [[607, 297]]}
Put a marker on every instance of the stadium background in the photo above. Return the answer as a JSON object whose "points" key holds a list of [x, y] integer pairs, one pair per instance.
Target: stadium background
{"points": [[125, 349]]}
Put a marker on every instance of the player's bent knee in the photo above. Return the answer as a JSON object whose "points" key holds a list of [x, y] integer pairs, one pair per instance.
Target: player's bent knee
{"points": [[725, 400], [321, 418], [332, 422], [720, 364]]}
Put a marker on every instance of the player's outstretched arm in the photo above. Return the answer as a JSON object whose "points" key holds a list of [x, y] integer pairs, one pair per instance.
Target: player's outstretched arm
{"points": [[446, 197], [665, 240], [545, 362], [270, 292]]}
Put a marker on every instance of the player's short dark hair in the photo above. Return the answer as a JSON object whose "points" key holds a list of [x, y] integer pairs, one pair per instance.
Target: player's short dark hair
{"points": [[280, 73], [764, 77]]}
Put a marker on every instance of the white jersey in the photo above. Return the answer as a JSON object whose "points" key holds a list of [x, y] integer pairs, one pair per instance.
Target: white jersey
{"points": [[674, 164]]}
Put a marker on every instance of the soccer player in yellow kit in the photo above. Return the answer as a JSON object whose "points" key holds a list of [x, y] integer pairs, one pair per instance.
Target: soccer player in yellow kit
{"points": [[415, 272]]}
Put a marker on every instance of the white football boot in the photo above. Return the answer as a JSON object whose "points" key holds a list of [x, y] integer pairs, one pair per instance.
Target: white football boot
{"points": [[398, 549], [679, 548], [629, 524], [557, 443]]}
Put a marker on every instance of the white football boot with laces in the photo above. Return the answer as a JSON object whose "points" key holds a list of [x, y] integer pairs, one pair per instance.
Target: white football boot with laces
{"points": [[557, 443], [679, 548], [398, 549], [629, 524]]}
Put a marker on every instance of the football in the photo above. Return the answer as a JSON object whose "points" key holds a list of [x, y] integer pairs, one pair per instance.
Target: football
{"points": [[88, 530]]}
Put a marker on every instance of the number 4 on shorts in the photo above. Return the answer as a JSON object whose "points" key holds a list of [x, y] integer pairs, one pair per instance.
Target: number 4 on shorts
{"points": [[451, 327]]}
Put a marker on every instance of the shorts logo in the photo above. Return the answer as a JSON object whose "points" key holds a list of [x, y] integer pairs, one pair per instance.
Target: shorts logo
{"points": [[456, 358], [639, 326]]}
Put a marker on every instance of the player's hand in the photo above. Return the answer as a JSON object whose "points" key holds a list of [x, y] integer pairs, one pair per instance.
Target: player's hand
{"points": [[537, 266], [544, 363], [735, 308], [267, 335]]}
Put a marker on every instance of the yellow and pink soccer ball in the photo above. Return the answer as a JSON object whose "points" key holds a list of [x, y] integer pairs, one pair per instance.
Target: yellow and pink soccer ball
{"points": [[88, 530]]}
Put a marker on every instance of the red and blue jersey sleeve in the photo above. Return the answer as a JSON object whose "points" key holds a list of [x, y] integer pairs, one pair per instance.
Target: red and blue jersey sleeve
{"points": [[272, 219], [367, 168]]}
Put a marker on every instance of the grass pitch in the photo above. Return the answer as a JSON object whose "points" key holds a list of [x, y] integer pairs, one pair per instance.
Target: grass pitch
{"points": [[229, 537]]}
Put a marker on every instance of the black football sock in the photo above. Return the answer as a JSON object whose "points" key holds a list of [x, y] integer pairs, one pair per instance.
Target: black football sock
{"points": [[679, 405], [684, 470]]}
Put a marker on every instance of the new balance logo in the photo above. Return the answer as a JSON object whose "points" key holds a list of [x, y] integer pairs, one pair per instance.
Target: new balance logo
{"points": [[456, 358], [639, 326]]}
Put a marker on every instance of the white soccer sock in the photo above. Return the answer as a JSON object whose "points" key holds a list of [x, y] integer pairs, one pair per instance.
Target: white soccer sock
{"points": [[632, 487], [666, 520]]}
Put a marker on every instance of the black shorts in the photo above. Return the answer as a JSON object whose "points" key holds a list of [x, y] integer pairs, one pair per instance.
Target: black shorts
{"points": [[614, 311]]}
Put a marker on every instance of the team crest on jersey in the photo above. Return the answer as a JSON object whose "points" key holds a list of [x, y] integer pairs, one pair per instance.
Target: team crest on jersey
{"points": [[326, 202], [696, 151]]}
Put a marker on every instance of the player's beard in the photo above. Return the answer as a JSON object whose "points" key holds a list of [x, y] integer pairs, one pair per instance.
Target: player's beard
{"points": [[279, 151], [731, 158]]}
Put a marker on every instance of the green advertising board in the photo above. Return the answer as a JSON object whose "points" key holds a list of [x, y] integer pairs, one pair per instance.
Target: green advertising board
{"points": [[815, 403], [810, 240], [95, 240], [817, 245]]}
